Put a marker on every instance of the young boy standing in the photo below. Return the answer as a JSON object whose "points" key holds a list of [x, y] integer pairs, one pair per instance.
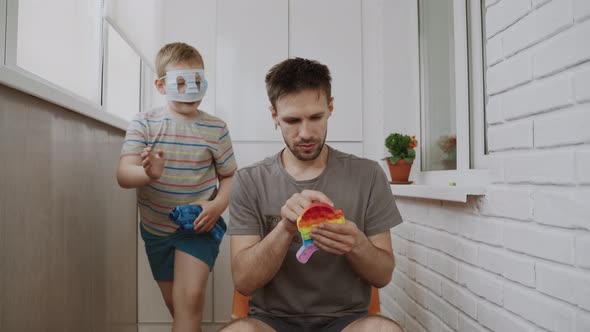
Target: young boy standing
{"points": [[179, 155]]}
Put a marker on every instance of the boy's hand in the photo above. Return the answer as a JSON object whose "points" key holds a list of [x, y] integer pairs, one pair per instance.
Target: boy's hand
{"points": [[153, 163], [299, 201], [208, 217]]}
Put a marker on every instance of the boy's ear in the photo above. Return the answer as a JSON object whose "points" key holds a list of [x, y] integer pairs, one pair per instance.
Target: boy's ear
{"points": [[160, 86], [331, 105]]}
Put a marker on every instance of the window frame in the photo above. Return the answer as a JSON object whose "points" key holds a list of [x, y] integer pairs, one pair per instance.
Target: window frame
{"points": [[10, 60], [472, 162], [106, 23], [20, 79]]}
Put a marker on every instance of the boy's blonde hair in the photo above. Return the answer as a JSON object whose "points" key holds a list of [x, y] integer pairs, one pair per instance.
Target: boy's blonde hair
{"points": [[176, 53]]}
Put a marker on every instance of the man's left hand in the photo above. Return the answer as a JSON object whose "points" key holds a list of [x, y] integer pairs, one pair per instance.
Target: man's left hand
{"points": [[339, 239]]}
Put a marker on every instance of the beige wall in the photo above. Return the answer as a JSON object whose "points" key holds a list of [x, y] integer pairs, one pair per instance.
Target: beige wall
{"points": [[67, 231]]}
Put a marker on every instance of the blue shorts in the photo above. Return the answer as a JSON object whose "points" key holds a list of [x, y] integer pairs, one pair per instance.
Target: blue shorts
{"points": [[160, 250]]}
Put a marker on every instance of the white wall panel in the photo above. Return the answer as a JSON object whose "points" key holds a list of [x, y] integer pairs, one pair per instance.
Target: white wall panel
{"points": [[252, 36], [330, 31], [194, 22], [250, 153], [348, 147]]}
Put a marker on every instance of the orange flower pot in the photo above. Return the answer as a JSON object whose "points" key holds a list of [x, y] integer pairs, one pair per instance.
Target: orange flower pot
{"points": [[400, 171]]}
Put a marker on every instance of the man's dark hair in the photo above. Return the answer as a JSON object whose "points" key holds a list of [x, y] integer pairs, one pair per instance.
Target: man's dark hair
{"points": [[296, 75]]}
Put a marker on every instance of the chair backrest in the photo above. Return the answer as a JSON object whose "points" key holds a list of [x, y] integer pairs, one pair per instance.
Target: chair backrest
{"points": [[240, 304]]}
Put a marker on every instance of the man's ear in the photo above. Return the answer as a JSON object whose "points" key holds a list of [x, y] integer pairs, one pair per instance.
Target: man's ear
{"points": [[273, 113], [331, 105], [159, 83]]}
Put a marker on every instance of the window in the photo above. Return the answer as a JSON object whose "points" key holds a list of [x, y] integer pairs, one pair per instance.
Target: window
{"points": [[59, 42], [122, 90], [438, 85], [151, 97], [451, 86], [68, 53]]}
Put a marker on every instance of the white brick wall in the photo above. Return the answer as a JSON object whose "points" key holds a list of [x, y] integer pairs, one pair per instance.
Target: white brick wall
{"points": [[513, 135], [541, 167], [563, 128], [582, 321], [512, 266], [542, 310], [581, 84], [550, 204], [537, 26], [567, 49], [517, 259], [510, 202], [582, 249], [497, 319], [510, 73], [581, 9], [582, 166], [505, 13], [544, 242], [539, 96], [494, 110]]}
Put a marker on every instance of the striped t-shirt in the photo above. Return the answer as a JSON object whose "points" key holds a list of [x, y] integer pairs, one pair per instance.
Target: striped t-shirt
{"points": [[196, 154]]}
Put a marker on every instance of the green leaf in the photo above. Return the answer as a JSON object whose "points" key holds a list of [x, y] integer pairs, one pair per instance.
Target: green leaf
{"points": [[394, 159], [398, 146]]}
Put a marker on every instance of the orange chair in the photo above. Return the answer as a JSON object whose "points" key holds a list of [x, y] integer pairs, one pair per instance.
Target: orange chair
{"points": [[240, 304]]}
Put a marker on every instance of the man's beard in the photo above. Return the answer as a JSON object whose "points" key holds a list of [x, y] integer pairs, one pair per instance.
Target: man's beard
{"points": [[307, 156]]}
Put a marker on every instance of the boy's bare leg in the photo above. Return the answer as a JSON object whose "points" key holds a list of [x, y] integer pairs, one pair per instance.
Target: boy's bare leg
{"points": [[188, 292], [166, 289]]}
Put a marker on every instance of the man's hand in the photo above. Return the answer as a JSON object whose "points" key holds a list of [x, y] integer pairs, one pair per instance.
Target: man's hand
{"points": [[208, 217], [339, 239], [153, 163], [299, 201]]}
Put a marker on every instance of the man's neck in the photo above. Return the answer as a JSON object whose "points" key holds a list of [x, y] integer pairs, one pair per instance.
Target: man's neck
{"points": [[304, 170]]}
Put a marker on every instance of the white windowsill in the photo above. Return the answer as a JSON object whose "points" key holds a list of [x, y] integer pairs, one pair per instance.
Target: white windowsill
{"points": [[440, 192], [27, 83]]}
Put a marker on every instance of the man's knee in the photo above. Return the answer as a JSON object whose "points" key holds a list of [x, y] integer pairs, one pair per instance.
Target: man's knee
{"points": [[245, 325], [374, 323]]}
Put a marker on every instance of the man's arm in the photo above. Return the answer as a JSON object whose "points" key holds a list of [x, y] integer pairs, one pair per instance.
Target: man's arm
{"points": [[254, 261], [370, 257], [373, 260]]}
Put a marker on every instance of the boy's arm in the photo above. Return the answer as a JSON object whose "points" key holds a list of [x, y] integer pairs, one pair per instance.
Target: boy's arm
{"points": [[139, 171], [222, 198], [213, 209], [130, 173]]}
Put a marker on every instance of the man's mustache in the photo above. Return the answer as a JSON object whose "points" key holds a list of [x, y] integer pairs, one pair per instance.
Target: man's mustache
{"points": [[308, 141]]}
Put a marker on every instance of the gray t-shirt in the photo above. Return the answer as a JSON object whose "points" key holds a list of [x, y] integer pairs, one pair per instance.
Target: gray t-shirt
{"points": [[326, 285]]}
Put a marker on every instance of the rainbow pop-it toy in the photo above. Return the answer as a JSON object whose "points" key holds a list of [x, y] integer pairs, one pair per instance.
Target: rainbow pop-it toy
{"points": [[313, 215]]}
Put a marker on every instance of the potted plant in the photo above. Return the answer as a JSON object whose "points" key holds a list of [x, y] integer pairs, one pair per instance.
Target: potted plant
{"points": [[448, 146], [402, 155]]}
